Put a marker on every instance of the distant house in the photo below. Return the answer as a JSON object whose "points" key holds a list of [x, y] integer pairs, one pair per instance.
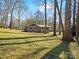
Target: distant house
{"points": [[36, 28]]}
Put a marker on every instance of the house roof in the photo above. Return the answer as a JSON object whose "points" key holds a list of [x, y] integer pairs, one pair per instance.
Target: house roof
{"points": [[43, 25], [40, 25]]}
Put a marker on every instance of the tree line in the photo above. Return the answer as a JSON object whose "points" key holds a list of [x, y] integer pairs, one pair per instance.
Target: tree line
{"points": [[67, 24], [8, 9], [70, 28]]}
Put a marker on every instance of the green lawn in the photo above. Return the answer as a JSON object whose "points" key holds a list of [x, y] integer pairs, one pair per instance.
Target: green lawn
{"points": [[15, 44]]}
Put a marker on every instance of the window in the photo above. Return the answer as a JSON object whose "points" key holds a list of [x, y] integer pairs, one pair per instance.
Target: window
{"points": [[35, 27], [30, 27]]}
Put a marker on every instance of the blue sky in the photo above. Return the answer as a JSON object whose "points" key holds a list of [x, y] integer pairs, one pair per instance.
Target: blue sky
{"points": [[31, 5], [34, 5]]}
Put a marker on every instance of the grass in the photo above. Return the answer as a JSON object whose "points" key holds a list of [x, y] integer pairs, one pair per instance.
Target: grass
{"points": [[15, 44]]}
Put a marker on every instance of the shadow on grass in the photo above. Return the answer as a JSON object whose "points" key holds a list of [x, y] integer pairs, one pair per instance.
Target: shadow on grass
{"points": [[37, 51], [56, 52], [25, 42], [17, 32], [25, 37], [32, 54], [10, 32]]}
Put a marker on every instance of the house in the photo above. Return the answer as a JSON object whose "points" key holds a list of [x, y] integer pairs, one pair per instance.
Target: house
{"points": [[36, 28]]}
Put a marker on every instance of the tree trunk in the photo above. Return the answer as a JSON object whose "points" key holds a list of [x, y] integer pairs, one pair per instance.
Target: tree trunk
{"points": [[74, 12], [61, 17], [10, 26], [77, 25], [45, 17], [19, 18], [18, 24], [67, 32], [2, 22], [74, 19], [54, 31], [6, 19]]}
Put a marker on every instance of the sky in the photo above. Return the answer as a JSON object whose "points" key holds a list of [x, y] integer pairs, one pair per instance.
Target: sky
{"points": [[34, 5], [31, 5]]}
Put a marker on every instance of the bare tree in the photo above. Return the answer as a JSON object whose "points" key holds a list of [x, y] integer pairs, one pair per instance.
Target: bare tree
{"points": [[20, 9], [12, 5], [54, 31], [7, 12], [74, 12], [45, 15], [61, 17], [4, 12], [59, 12], [67, 33], [39, 17], [77, 23], [74, 19]]}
